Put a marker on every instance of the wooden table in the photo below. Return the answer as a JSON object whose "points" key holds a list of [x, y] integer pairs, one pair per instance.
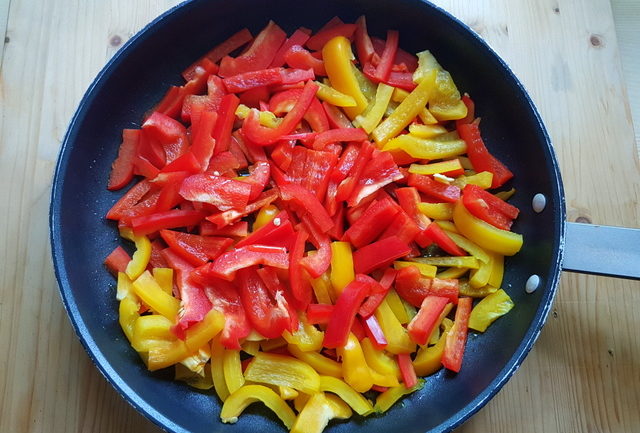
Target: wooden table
{"points": [[583, 374]]}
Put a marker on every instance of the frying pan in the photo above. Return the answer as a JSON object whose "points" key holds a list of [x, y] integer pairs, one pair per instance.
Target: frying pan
{"points": [[135, 79]]}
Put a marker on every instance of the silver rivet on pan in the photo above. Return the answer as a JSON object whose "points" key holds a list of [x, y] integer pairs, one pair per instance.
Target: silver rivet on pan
{"points": [[539, 202], [532, 284]]}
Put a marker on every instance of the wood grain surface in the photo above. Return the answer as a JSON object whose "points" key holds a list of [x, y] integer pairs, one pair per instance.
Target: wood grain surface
{"points": [[583, 374]]}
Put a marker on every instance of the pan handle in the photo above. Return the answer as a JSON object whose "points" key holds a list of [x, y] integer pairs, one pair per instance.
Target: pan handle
{"points": [[602, 250]]}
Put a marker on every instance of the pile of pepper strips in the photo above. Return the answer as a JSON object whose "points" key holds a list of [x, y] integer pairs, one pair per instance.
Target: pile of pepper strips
{"points": [[297, 270]]}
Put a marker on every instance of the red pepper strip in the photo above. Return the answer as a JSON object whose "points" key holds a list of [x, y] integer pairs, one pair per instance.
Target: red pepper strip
{"points": [[373, 221], [319, 314], [127, 201], [142, 167], [146, 206], [225, 297], [259, 175], [407, 371], [222, 130], [344, 314], [282, 296], [224, 163], [292, 76], [316, 117], [374, 332], [171, 134], [203, 144], [170, 193], [252, 79], [364, 46], [151, 150], [122, 167], [239, 229], [403, 227], [263, 136], [421, 326], [300, 286], [194, 303], [222, 192], [196, 249], [480, 157], [318, 165], [145, 224], [471, 111], [402, 56], [231, 216], [408, 198], [307, 203], [369, 306], [296, 171], [402, 80], [285, 101], [298, 57], [317, 264], [258, 56], [457, 337], [228, 263], [251, 98], [157, 259], [253, 151], [358, 330], [488, 207], [335, 21], [317, 41], [215, 91], [171, 102], [388, 56], [348, 185], [442, 239], [187, 162], [337, 232], [299, 37], [282, 153], [233, 43], [117, 260], [433, 188], [381, 170], [272, 234], [336, 135], [411, 286], [338, 174], [236, 150], [336, 117], [379, 254]]}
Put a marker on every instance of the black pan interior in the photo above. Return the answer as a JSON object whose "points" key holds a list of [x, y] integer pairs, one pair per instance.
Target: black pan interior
{"points": [[134, 81]]}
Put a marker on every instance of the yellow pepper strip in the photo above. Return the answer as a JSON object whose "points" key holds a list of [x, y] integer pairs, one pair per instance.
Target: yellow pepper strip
{"points": [[480, 277], [399, 94], [251, 347], [287, 393], [358, 403], [426, 117], [140, 258], [317, 413], [482, 179], [437, 211], [334, 97], [448, 226], [465, 289], [505, 195], [307, 337], [425, 270], [354, 367], [164, 278], [248, 394], [372, 116], [319, 362], [426, 131], [272, 344], [232, 370], [164, 354], [202, 332], [383, 379], [469, 262], [452, 273], [323, 289], [497, 270], [254, 336], [484, 234], [157, 299], [192, 379], [378, 360], [489, 309], [125, 288], [397, 336], [466, 163], [341, 409], [148, 329], [300, 401], [436, 167], [405, 113], [265, 215], [392, 395], [196, 362], [428, 359], [342, 272], [266, 118], [426, 148], [426, 63], [217, 369], [284, 371], [470, 247], [367, 87], [448, 112], [128, 316], [337, 56], [396, 305]]}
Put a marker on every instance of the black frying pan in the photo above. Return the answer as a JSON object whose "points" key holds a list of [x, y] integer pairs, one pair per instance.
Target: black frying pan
{"points": [[134, 80]]}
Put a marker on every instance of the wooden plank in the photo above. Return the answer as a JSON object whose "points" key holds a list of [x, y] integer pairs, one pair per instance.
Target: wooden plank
{"points": [[4, 18]]}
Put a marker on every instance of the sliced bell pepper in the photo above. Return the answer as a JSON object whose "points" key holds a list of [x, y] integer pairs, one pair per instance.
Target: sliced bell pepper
{"points": [[407, 371], [480, 157], [342, 272], [222, 192], [379, 254], [299, 58], [374, 300], [428, 360], [166, 354], [300, 286], [483, 179], [308, 204], [426, 131], [422, 325], [345, 311], [320, 39], [397, 337], [426, 148], [128, 200], [323, 290], [164, 278], [319, 313], [335, 385], [334, 97], [451, 167], [374, 332], [468, 262], [225, 218], [488, 207], [307, 337], [372, 223], [283, 371], [441, 238], [388, 56], [335, 135], [403, 227], [364, 46], [457, 337], [170, 133], [392, 395], [299, 37], [202, 332], [248, 394], [489, 309], [194, 248], [376, 109], [354, 366], [217, 370], [147, 224], [277, 233], [480, 277], [336, 117], [437, 211], [148, 290], [318, 165], [320, 363], [318, 263], [117, 260], [231, 44], [122, 168], [227, 264], [141, 256], [381, 170], [434, 188], [239, 229], [232, 370], [497, 270]]}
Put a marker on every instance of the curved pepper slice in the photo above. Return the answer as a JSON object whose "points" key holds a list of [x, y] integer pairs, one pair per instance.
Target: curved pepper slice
{"points": [[392, 395], [283, 371], [318, 411], [141, 257], [248, 394], [353, 398], [489, 309], [319, 362], [457, 337], [428, 359], [354, 366], [148, 290]]}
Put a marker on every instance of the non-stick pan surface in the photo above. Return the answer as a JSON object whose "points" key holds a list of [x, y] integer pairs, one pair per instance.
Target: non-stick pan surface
{"points": [[135, 79]]}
